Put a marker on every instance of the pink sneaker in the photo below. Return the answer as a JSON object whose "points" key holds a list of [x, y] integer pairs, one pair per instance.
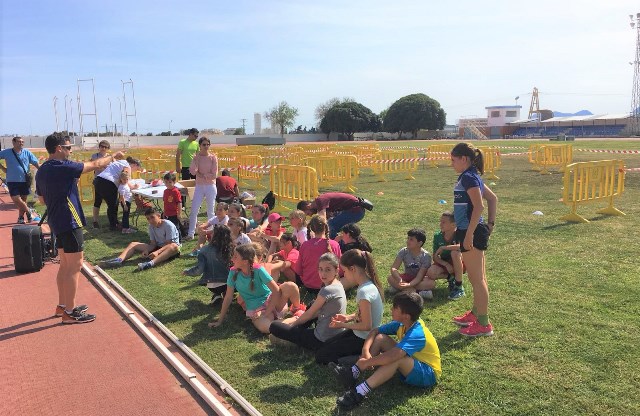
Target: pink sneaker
{"points": [[297, 312], [477, 330], [465, 319]]}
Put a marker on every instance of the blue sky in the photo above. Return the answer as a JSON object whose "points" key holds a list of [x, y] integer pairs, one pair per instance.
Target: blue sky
{"points": [[209, 64]]}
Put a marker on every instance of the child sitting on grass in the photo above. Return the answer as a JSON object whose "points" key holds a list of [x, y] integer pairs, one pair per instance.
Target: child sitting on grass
{"points": [[214, 261], [284, 260], [298, 221], [416, 355], [205, 230], [164, 243], [447, 259], [330, 301], [416, 262], [264, 300], [351, 237]]}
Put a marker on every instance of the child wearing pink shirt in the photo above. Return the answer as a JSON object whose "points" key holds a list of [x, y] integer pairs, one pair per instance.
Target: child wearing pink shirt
{"points": [[306, 268]]}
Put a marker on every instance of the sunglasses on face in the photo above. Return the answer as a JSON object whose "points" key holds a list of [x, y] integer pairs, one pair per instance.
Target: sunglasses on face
{"points": [[104, 147], [66, 146], [205, 144]]}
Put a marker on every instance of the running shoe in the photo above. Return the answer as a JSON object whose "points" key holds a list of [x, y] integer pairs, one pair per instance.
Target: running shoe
{"points": [[20, 220], [477, 330], [115, 262], [465, 319], [145, 265], [76, 317], [456, 293], [426, 294], [350, 399], [79, 308], [343, 374], [194, 253]]}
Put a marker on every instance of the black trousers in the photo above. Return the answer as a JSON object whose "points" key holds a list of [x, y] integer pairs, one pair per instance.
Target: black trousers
{"points": [[108, 191], [126, 209], [301, 335], [342, 345], [186, 175]]}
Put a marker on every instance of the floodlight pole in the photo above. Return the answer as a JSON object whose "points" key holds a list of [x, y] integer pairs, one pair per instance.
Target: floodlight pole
{"points": [[55, 110], [634, 118]]}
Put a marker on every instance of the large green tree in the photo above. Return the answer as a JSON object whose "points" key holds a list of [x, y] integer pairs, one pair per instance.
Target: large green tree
{"points": [[412, 113], [322, 109], [282, 115], [349, 118]]}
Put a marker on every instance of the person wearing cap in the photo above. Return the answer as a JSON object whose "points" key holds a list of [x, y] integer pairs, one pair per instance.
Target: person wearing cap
{"points": [[338, 208], [19, 176], [187, 149]]}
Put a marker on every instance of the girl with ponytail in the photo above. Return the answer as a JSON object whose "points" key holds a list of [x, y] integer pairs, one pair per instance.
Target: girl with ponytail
{"points": [[306, 268], [359, 269], [472, 233], [264, 301]]}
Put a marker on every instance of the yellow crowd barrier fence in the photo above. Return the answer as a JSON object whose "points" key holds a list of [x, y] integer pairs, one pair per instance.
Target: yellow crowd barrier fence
{"points": [[587, 182], [543, 156], [332, 170], [293, 184], [85, 188], [439, 154], [395, 161], [250, 168], [492, 161]]}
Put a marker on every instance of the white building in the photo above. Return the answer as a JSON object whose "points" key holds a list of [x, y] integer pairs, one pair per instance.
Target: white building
{"points": [[257, 123], [500, 115]]}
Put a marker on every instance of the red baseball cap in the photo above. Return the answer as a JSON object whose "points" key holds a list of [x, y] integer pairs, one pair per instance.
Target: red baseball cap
{"points": [[273, 217]]}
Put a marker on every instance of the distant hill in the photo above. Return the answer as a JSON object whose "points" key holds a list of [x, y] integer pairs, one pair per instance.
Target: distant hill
{"points": [[579, 113]]}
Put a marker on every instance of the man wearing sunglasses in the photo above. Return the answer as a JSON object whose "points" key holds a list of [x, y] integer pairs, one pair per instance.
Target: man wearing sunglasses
{"points": [[187, 149], [19, 177], [56, 185]]}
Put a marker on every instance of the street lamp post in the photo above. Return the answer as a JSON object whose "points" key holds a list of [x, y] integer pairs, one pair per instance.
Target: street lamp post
{"points": [[635, 92], [111, 117], [170, 121], [55, 110]]}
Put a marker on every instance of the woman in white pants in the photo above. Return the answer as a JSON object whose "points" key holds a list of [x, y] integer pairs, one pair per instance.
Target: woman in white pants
{"points": [[204, 167]]}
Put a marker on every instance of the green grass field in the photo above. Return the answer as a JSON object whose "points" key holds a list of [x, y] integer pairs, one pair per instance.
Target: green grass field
{"points": [[564, 304]]}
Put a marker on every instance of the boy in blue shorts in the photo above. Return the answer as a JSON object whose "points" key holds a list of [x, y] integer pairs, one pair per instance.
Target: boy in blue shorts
{"points": [[416, 356]]}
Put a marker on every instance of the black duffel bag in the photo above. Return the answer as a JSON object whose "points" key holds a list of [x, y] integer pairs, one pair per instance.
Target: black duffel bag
{"points": [[365, 203]]}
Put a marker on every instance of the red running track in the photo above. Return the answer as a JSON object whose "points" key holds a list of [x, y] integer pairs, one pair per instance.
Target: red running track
{"points": [[99, 368]]}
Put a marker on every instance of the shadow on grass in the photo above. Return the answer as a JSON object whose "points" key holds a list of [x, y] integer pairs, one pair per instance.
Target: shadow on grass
{"points": [[566, 224]]}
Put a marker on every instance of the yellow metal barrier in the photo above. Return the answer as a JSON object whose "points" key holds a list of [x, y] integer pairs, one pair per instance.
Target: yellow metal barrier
{"points": [[548, 155], [586, 182], [156, 168], [438, 153], [332, 170], [293, 184], [85, 188], [395, 161], [492, 161], [249, 169]]}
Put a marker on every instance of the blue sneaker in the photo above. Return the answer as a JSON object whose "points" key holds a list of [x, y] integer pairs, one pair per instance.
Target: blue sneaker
{"points": [[112, 263], [451, 280], [194, 253], [456, 293], [145, 265]]}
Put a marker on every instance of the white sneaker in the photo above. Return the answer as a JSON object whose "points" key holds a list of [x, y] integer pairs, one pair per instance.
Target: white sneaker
{"points": [[426, 294]]}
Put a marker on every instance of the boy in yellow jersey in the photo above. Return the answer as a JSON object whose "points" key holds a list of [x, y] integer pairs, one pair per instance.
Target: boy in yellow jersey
{"points": [[416, 355]]}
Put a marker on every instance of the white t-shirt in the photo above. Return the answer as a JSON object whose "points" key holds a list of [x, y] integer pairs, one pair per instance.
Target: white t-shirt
{"points": [[369, 292], [213, 221], [301, 234], [113, 170], [125, 192], [242, 239]]}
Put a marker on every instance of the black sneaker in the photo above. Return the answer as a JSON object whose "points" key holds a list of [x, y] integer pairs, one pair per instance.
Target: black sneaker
{"points": [[350, 399], [29, 218], [77, 317], [96, 225], [343, 374], [20, 220]]}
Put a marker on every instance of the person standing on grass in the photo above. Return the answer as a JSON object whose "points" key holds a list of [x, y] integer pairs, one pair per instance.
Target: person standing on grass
{"points": [[103, 149], [106, 187], [472, 233], [19, 179], [187, 148], [204, 167], [56, 185], [172, 200]]}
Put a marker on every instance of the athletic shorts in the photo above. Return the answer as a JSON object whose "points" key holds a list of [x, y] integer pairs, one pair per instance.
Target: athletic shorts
{"points": [[480, 237], [18, 188], [70, 241], [421, 375]]}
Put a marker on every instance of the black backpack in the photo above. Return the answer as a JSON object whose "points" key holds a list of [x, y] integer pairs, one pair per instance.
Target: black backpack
{"points": [[270, 200]]}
